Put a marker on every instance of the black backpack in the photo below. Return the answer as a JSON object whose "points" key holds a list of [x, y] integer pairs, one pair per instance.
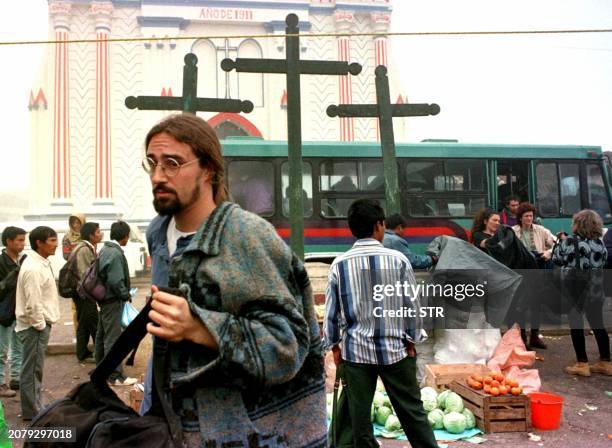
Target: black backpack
{"points": [[99, 419], [69, 279]]}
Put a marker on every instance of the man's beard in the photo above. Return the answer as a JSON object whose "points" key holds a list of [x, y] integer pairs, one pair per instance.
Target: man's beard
{"points": [[171, 206]]}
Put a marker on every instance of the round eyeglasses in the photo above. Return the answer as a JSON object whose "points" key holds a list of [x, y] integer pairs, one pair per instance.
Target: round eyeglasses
{"points": [[170, 167]]}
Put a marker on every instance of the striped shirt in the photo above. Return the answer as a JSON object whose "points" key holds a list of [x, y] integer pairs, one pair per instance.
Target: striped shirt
{"points": [[372, 326]]}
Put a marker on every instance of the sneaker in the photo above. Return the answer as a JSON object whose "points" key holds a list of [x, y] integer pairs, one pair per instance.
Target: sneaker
{"points": [[14, 384], [123, 381], [88, 360], [6, 392], [580, 368], [603, 367]]}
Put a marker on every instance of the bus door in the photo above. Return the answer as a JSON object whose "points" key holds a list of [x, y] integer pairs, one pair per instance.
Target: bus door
{"points": [[512, 180]]}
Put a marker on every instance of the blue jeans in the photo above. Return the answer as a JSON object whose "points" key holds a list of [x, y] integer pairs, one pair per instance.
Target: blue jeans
{"points": [[10, 345]]}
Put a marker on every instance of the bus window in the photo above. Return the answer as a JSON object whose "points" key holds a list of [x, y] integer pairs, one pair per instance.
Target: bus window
{"points": [[547, 192], [338, 176], [464, 175], [371, 176], [306, 188], [251, 185], [445, 188], [338, 207], [424, 176], [570, 188], [512, 180], [598, 197]]}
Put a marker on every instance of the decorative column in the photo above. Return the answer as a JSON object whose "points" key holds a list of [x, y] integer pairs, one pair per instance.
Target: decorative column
{"points": [[60, 14], [102, 13], [344, 21], [380, 24]]}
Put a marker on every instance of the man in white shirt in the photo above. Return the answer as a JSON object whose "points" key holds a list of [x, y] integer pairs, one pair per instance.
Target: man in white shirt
{"points": [[37, 309]]}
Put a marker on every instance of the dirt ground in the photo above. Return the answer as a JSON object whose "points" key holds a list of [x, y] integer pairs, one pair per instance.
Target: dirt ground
{"points": [[592, 429]]}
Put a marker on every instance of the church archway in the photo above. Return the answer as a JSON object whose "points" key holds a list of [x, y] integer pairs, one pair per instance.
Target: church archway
{"points": [[228, 124]]}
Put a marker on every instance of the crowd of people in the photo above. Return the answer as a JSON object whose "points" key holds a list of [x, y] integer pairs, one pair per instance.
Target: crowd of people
{"points": [[29, 303], [236, 308]]}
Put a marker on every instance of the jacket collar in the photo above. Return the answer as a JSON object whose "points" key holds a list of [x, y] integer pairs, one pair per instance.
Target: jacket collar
{"points": [[208, 237], [367, 242]]}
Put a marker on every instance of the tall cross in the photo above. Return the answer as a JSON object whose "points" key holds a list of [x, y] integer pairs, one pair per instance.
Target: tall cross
{"points": [[226, 50], [385, 111], [293, 67], [189, 102]]}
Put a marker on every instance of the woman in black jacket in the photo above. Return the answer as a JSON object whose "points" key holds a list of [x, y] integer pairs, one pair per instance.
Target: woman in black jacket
{"points": [[583, 257]]}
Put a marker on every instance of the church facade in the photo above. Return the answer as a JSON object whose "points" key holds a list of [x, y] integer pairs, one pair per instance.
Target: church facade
{"points": [[87, 146]]}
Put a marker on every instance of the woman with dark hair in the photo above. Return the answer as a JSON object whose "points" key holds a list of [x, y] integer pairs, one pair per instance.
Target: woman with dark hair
{"points": [[585, 253], [539, 241], [485, 225]]}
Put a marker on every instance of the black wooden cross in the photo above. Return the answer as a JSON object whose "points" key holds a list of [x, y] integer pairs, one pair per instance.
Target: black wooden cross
{"points": [[293, 67], [385, 111], [189, 102]]}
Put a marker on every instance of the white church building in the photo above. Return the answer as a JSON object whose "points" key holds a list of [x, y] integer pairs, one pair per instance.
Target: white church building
{"points": [[87, 146]]}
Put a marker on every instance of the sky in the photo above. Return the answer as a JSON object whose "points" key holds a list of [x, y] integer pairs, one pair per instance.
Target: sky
{"points": [[548, 89]]}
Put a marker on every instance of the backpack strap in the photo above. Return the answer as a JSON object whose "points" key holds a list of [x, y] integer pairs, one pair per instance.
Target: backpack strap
{"points": [[128, 342]]}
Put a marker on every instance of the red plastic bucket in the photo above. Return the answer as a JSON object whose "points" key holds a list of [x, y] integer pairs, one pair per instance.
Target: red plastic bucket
{"points": [[545, 410]]}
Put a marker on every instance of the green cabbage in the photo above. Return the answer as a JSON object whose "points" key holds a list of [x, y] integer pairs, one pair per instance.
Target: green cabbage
{"points": [[393, 424], [379, 399], [382, 413], [442, 398], [453, 402], [429, 404], [373, 413], [436, 419], [470, 420], [428, 392], [387, 402], [454, 422]]}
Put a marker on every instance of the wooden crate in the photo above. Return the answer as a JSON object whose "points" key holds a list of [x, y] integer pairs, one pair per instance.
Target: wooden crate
{"points": [[507, 413], [439, 376]]}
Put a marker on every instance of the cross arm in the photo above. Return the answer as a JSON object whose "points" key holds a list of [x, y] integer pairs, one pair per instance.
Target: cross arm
{"points": [[371, 110], [254, 65], [154, 103]]}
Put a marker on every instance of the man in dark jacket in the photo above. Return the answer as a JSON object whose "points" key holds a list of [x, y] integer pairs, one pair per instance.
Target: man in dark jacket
{"points": [[13, 239], [113, 271]]}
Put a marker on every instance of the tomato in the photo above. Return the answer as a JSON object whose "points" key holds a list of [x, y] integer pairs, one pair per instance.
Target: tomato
{"points": [[487, 380], [503, 390], [495, 383], [494, 391], [515, 391], [499, 377], [487, 389]]}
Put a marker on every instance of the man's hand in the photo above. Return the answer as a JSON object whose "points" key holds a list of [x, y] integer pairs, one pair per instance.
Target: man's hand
{"points": [[175, 322], [337, 355]]}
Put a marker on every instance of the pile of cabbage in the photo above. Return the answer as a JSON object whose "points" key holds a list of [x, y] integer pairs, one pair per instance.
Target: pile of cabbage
{"points": [[446, 411]]}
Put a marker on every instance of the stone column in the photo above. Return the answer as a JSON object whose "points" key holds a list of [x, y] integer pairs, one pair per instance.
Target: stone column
{"points": [[60, 15], [344, 21], [102, 13], [380, 24]]}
